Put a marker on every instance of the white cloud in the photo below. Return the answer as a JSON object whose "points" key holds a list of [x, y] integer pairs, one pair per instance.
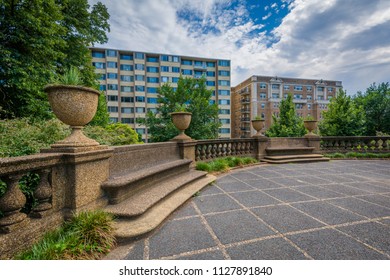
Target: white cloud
{"points": [[347, 40], [266, 16]]}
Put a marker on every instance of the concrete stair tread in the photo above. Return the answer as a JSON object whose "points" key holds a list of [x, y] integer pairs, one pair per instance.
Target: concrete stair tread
{"points": [[289, 148], [296, 160], [128, 229], [281, 157], [142, 201], [119, 181]]}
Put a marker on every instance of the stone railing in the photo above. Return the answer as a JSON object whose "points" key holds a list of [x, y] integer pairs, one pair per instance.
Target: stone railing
{"points": [[211, 149], [362, 144]]}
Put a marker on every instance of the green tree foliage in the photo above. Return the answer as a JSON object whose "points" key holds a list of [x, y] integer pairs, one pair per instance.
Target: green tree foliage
{"points": [[102, 116], [376, 104], [40, 38], [343, 118], [194, 94], [288, 124]]}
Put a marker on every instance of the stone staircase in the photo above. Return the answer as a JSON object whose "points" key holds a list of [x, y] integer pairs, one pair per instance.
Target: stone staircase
{"points": [[142, 199], [290, 150]]}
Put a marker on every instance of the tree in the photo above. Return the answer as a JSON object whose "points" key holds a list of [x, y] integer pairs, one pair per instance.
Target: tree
{"points": [[343, 118], [40, 38], [288, 124], [192, 93], [376, 105]]}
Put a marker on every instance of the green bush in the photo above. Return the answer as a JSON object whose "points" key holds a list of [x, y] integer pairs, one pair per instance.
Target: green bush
{"points": [[203, 166], [224, 164], [115, 134], [358, 155], [89, 235]]}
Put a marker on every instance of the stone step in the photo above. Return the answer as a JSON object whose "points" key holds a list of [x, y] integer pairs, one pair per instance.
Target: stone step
{"points": [[275, 151], [295, 160], [282, 157], [127, 229], [120, 188], [139, 203]]}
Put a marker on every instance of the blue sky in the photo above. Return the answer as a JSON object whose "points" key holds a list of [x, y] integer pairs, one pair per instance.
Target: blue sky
{"points": [[347, 40]]}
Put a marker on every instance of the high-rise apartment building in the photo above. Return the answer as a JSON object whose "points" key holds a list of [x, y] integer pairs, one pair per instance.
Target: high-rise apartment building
{"points": [[261, 96], [130, 80]]}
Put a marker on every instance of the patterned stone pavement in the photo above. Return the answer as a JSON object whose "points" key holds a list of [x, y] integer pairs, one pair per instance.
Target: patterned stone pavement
{"points": [[329, 210]]}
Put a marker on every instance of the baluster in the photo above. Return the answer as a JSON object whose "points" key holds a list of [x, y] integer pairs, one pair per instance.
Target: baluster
{"points": [[197, 153], [11, 203], [214, 151], [234, 150], [348, 145], [43, 193], [209, 151], [219, 150], [378, 145], [229, 149]]}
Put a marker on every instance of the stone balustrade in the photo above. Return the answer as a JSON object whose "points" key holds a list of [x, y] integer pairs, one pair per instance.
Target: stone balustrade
{"points": [[211, 149], [362, 144]]}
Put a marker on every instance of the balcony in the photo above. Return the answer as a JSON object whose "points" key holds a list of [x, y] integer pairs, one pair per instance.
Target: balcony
{"points": [[202, 67], [244, 91], [245, 119], [245, 100], [300, 101], [274, 99], [245, 110], [322, 101]]}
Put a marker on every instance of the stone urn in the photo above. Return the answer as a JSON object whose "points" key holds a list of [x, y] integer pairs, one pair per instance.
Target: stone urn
{"points": [[181, 121], [258, 125], [75, 106], [310, 126]]}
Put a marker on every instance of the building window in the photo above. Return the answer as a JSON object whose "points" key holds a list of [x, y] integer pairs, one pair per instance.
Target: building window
{"points": [[175, 69], [152, 59], [175, 59], [126, 57], [224, 111], [127, 110], [102, 87], [308, 88], [330, 89], [210, 74], [152, 80], [224, 92], [164, 58], [164, 79], [127, 120], [112, 109], [175, 79], [320, 89], [285, 87], [113, 120], [111, 64], [225, 121], [140, 110], [186, 62], [309, 97], [297, 96], [186, 71], [223, 83], [151, 69], [224, 102], [298, 88], [127, 99], [263, 96], [330, 97], [275, 95], [198, 74], [112, 87], [111, 53], [224, 63], [152, 100], [210, 64], [262, 105], [139, 99], [112, 76], [140, 130], [98, 54], [99, 65], [127, 78], [112, 98], [224, 73], [139, 56], [319, 97], [102, 76], [139, 67], [151, 90], [153, 110], [275, 86], [263, 116], [140, 88], [164, 68], [140, 78], [263, 85], [224, 130], [211, 102], [276, 104], [127, 89], [210, 83], [309, 106], [126, 67]]}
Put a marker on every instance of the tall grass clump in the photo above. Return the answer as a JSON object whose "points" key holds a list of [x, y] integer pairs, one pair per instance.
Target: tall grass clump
{"points": [[88, 235], [224, 164]]}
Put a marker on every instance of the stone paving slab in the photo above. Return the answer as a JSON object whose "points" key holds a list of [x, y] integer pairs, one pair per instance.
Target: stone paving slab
{"points": [[328, 210]]}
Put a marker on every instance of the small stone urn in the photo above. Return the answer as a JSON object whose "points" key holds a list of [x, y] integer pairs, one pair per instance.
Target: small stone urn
{"points": [[75, 106], [258, 125], [181, 121], [310, 125]]}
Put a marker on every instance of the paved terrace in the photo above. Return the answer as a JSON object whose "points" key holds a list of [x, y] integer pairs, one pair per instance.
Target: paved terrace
{"points": [[332, 210]]}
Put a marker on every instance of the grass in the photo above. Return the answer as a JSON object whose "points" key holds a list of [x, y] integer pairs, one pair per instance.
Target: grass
{"points": [[358, 155], [87, 236], [224, 164]]}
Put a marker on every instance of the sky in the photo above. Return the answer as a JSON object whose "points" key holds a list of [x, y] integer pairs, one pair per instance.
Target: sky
{"points": [[343, 40]]}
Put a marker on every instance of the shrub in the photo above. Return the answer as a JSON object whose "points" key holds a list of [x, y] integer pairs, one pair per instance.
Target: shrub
{"points": [[224, 164], [203, 166], [88, 235]]}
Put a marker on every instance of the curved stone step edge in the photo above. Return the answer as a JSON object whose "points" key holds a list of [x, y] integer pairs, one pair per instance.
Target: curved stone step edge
{"points": [[127, 230], [139, 203], [296, 160]]}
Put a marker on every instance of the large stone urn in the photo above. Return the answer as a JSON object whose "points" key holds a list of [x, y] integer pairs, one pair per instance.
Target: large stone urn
{"points": [[258, 125], [181, 121], [310, 126], [75, 106]]}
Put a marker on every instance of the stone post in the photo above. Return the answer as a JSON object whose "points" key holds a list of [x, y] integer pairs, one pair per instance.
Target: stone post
{"points": [[261, 143], [314, 141], [187, 150]]}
